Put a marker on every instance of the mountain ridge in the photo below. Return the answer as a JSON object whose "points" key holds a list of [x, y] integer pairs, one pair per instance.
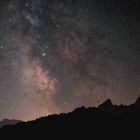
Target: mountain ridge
{"points": [[9, 122], [82, 122]]}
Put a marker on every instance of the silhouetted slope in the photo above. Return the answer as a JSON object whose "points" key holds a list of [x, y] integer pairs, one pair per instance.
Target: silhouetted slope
{"points": [[82, 123], [8, 122]]}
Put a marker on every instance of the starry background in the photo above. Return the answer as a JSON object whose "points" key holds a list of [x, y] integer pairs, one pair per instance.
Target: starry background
{"points": [[56, 55]]}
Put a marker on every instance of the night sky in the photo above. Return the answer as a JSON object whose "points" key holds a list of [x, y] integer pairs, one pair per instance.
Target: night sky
{"points": [[56, 55]]}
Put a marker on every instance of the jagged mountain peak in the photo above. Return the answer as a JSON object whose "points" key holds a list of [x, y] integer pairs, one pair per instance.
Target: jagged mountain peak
{"points": [[138, 100], [107, 103]]}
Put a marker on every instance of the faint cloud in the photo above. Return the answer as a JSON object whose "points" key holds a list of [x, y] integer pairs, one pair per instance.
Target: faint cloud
{"points": [[32, 20]]}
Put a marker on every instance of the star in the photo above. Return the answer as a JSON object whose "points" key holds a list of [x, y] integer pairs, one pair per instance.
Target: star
{"points": [[65, 103], [1, 47], [43, 54], [26, 4], [46, 47]]}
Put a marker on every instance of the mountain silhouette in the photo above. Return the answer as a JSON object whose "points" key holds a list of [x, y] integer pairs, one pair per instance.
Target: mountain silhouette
{"points": [[107, 120], [8, 122]]}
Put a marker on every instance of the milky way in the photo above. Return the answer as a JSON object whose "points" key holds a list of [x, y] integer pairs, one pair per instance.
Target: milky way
{"points": [[59, 55]]}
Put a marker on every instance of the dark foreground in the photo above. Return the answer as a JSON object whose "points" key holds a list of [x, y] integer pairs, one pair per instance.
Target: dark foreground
{"points": [[106, 121]]}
